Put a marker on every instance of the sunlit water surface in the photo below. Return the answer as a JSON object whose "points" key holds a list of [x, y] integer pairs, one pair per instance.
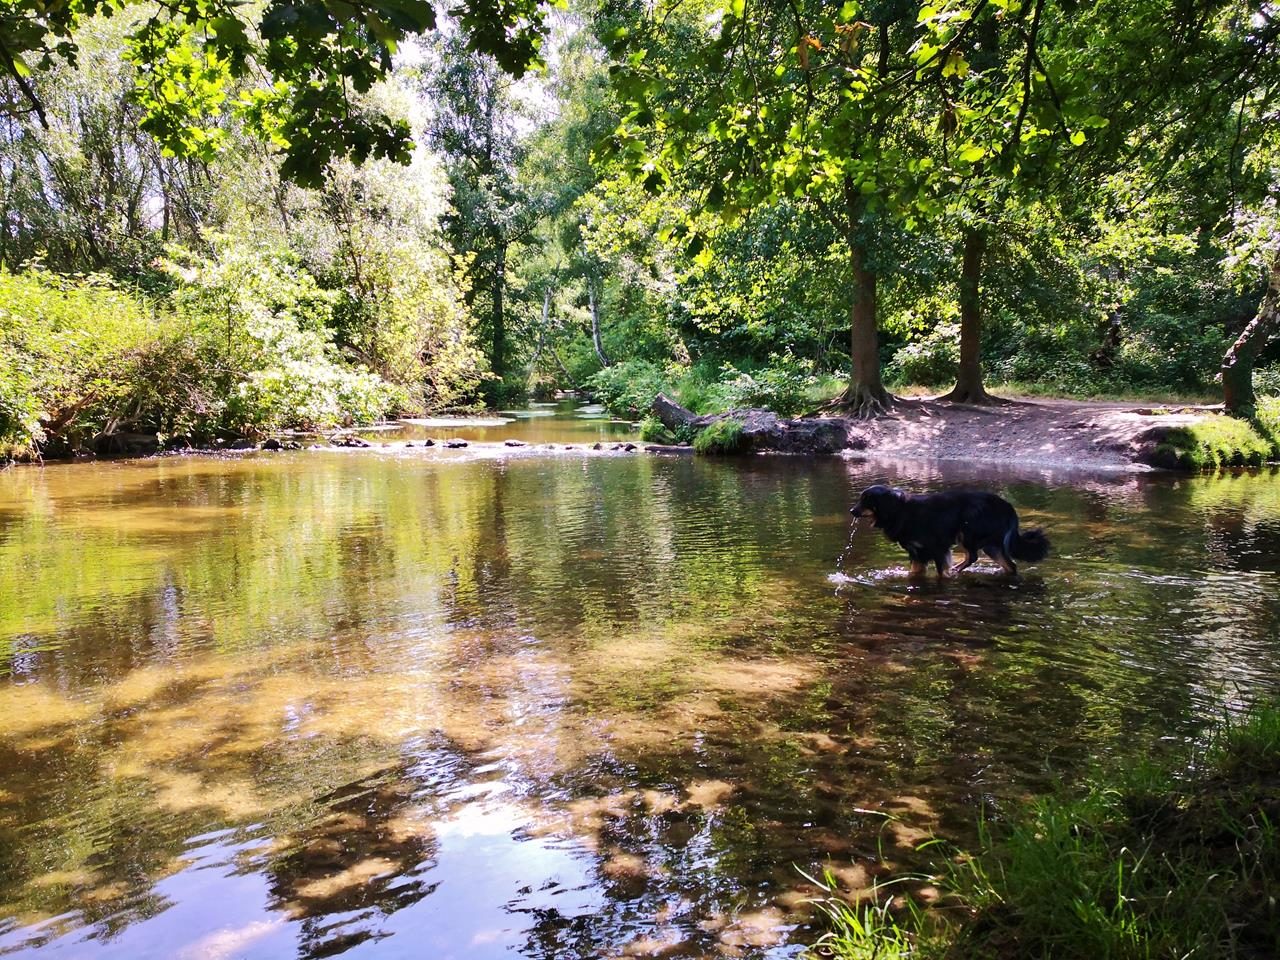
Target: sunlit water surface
{"points": [[394, 704]]}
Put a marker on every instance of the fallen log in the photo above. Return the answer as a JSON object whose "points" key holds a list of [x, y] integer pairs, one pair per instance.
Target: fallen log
{"points": [[763, 430], [672, 415]]}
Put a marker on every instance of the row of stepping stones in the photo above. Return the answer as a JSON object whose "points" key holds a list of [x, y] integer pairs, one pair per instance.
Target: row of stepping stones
{"points": [[350, 440]]}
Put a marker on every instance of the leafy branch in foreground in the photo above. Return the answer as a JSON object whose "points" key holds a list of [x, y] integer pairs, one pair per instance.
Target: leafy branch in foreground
{"points": [[291, 69]]}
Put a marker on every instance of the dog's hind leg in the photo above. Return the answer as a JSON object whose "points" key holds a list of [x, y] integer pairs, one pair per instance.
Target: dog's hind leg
{"points": [[943, 564], [1000, 553], [970, 557], [1005, 561], [917, 569]]}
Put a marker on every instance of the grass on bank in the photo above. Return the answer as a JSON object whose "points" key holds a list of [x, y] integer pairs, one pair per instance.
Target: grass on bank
{"points": [[1172, 860], [1226, 441], [722, 436]]}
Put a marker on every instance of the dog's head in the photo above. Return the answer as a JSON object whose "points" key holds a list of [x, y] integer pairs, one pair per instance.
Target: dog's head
{"points": [[878, 503]]}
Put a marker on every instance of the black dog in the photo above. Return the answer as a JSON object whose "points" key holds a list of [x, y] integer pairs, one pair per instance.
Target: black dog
{"points": [[929, 524]]}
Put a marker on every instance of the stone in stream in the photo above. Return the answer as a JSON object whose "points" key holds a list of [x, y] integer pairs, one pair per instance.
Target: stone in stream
{"points": [[454, 444], [428, 442], [271, 443], [348, 440], [597, 446], [243, 445], [514, 443]]}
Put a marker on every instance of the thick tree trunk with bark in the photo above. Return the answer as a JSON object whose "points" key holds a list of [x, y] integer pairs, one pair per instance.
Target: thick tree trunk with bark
{"points": [[866, 394], [969, 387], [1237, 365]]}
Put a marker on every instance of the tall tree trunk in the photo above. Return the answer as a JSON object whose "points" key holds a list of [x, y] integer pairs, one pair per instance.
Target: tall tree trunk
{"points": [[969, 387], [866, 393], [598, 343], [1237, 365], [499, 359]]}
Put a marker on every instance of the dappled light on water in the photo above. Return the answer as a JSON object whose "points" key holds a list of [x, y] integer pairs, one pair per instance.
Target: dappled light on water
{"points": [[324, 703]]}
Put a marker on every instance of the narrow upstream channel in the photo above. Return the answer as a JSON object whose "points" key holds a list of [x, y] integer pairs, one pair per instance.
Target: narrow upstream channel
{"points": [[397, 703]]}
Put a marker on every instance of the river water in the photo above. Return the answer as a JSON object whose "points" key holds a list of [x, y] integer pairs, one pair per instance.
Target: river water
{"points": [[403, 703]]}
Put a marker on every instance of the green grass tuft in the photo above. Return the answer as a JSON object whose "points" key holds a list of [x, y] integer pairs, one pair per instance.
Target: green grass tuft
{"points": [[722, 436], [652, 430], [1215, 442], [869, 930], [1266, 420], [1173, 859]]}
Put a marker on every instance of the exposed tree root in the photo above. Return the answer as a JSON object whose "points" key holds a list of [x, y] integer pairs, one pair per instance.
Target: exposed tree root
{"points": [[861, 403], [975, 396]]}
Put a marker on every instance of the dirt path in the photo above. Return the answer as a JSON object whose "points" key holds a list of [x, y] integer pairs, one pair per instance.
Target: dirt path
{"points": [[1041, 432]]}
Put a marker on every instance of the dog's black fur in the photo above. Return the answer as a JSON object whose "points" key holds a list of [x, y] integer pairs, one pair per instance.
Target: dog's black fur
{"points": [[927, 525]]}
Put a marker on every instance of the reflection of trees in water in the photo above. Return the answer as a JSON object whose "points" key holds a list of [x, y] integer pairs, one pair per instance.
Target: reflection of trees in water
{"points": [[367, 854], [115, 860]]}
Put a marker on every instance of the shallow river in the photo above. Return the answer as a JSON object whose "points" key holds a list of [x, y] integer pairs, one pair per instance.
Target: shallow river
{"points": [[398, 703]]}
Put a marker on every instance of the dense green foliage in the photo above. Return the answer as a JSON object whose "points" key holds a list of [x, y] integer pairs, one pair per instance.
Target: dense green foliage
{"points": [[1157, 860], [229, 353]]}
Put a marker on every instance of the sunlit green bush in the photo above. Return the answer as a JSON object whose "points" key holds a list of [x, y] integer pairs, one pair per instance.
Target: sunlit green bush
{"points": [[782, 385], [653, 430], [266, 322], [628, 389], [70, 354], [301, 394], [241, 346], [929, 361]]}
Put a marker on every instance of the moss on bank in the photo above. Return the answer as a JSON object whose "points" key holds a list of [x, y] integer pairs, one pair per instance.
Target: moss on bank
{"points": [[722, 436], [1223, 441], [1180, 859]]}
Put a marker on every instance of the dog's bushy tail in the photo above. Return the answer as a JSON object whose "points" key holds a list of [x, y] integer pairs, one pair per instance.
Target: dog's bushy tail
{"points": [[1029, 545]]}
